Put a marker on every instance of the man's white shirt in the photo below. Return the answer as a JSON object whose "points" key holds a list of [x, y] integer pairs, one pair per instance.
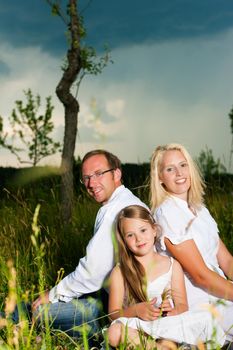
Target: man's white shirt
{"points": [[95, 267]]}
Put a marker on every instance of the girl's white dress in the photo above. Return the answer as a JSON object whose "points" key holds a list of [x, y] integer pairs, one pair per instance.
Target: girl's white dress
{"points": [[190, 327]]}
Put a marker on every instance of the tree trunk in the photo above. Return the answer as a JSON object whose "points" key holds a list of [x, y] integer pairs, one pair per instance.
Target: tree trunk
{"points": [[67, 184], [71, 107]]}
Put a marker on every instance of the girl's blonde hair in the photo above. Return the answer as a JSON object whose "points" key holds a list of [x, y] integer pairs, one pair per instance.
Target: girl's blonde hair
{"points": [[158, 192], [132, 270]]}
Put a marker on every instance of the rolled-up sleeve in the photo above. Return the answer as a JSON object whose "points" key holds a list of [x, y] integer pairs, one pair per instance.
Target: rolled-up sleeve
{"points": [[175, 223]]}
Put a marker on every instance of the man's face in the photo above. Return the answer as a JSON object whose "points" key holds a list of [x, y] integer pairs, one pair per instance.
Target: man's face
{"points": [[102, 186]]}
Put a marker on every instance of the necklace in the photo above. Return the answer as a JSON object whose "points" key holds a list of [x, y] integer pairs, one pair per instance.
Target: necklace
{"points": [[192, 210]]}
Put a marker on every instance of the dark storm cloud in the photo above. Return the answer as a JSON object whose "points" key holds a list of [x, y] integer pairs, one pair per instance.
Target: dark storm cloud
{"points": [[124, 22], [30, 22], [117, 23]]}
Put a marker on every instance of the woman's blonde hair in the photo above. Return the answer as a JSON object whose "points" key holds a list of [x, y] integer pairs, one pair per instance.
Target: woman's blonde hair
{"points": [[158, 192], [132, 270]]}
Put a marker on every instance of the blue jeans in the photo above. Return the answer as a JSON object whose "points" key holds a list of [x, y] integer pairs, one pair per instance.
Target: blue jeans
{"points": [[67, 317], [74, 318]]}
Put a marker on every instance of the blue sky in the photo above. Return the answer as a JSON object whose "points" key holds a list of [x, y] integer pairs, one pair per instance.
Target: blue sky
{"points": [[171, 79]]}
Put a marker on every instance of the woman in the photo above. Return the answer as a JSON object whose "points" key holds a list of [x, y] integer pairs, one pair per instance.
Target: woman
{"points": [[190, 234]]}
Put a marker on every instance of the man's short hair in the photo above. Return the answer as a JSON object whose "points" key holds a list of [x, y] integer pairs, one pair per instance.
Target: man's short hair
{"points": [[113, 161]]}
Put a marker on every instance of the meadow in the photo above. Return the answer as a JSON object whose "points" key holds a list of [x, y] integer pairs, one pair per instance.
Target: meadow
{"points": [[37, 250]]}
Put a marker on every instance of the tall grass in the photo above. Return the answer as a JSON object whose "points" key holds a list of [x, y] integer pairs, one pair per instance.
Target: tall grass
{"points": [[33, 251], [219, 200], [24, 335]]}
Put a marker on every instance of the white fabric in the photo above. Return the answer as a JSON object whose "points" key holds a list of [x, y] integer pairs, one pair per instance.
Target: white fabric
{"points": [[161, 284], [190, 327], [95, 267], [180, 224]]}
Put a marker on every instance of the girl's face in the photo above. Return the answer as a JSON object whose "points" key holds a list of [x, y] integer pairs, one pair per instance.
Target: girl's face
{"points": [[175, 174], [139, 236]]}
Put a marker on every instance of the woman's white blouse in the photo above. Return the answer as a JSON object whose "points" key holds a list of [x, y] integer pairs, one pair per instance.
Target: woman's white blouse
{"points": [[179, 224]]}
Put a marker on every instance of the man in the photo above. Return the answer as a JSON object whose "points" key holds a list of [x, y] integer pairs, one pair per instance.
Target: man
{"points": [[101, 175]]}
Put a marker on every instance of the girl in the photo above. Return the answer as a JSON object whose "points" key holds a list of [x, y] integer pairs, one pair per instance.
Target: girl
{"points": [[190, 234], [146, 286]]}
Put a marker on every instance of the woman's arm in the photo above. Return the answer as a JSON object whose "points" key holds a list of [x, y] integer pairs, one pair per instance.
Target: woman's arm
{"points": [[191, 260], [143, 310], [225, 260]]}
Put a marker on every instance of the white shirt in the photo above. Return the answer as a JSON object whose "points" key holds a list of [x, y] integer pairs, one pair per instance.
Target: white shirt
{"points": [[180, 224], [95, 267]]}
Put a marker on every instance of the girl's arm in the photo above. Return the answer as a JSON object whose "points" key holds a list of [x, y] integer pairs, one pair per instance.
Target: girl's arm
{"points": [[143, 310], [116, 294], [191, 260], [178, 290], [177, 293], [225, 260]]}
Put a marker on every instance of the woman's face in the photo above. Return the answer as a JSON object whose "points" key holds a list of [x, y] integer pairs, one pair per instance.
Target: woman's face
{"points": [[174, 174]]}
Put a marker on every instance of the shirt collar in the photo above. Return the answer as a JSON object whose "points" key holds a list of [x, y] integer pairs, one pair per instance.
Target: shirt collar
{"points": [[115, 193], [184, 205], [180, 201]]}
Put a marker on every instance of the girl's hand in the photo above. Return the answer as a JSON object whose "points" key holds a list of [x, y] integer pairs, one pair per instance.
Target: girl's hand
{"points": [[167, 307], [147, 311]]}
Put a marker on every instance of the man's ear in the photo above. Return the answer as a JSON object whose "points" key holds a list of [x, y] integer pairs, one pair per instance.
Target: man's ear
{"points": [[117, 174], [155, 232]]}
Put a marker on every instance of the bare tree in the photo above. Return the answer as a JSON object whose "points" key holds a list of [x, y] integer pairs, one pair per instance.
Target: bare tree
{"points": [[80, 61], [71, 106]]}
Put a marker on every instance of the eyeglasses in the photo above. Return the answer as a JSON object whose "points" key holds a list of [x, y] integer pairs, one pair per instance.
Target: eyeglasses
{"points": [[96, 176]]}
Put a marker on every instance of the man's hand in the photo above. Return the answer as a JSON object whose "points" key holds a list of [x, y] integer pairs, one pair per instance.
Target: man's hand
{"points": [[43, 299], [147, 311]]}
